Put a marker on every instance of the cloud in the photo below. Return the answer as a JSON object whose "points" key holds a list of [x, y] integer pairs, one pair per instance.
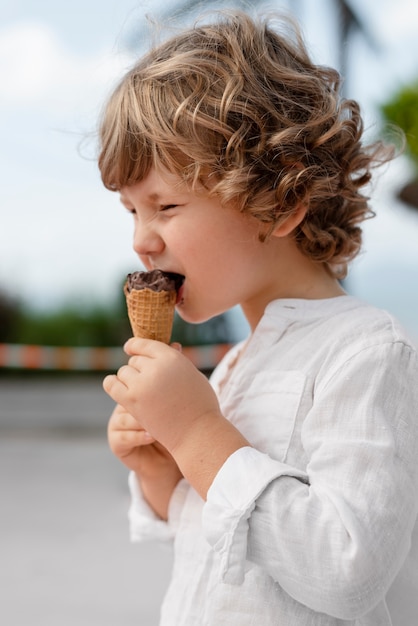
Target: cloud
{"points": [[51, 202], [39, 70]]}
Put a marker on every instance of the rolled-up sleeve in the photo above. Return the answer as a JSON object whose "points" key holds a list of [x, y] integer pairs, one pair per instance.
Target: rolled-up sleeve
{"points": [[231, 501], [334, 537], [144, 524]]}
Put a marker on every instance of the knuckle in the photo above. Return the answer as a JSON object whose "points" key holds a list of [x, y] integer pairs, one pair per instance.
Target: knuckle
{"points": [[124, 421], [125, 437], [122, 370], [133, 361]]}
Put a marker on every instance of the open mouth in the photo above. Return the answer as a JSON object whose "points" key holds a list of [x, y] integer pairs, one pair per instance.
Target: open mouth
{"points": [[178, 282], [177, 278]]}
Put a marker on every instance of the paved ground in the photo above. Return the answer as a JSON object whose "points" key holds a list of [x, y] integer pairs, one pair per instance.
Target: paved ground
{"points": [[65, 557]]}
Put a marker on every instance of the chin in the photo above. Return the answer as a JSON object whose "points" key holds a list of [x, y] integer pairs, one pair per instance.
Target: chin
{"points": [[193, 318]]}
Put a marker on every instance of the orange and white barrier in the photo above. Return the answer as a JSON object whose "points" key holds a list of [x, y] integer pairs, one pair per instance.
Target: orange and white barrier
{"points": [[19, 356]]}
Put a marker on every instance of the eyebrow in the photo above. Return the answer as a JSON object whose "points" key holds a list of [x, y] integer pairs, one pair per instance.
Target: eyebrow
{"points": [[153, 197], [150, 198]]}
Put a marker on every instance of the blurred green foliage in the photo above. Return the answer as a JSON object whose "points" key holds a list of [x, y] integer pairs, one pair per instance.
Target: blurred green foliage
{"points": [[93, 326], [402, 110], [68, 326]]}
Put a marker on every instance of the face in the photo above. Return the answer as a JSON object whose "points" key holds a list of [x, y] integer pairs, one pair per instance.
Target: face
{"points": [[215, 247]]}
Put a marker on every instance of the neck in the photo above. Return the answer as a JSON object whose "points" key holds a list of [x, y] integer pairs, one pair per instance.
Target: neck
{"points": [[300, 278]]}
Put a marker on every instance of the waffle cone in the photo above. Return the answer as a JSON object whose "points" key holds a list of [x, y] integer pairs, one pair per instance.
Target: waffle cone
{"points": [[151, 313]]}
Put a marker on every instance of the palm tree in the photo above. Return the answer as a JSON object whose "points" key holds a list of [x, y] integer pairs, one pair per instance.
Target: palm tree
{"points": [[348, 22]]}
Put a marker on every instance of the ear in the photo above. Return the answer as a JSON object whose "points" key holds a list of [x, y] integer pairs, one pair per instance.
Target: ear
{"points": [[289, 224]]}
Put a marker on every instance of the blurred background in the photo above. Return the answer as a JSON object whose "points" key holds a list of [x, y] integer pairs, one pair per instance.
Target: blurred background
{"points": [[65, 241], [65, 249]]}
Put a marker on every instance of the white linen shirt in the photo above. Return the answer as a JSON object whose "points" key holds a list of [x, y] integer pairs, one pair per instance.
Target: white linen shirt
{"points": [[315, 524]]}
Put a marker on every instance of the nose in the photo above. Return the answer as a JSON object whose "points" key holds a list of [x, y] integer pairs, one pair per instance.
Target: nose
{"points": [[147, 242]]}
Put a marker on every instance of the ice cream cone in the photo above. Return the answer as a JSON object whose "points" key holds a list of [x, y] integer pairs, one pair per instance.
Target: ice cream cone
{"points": [[151, 313]]}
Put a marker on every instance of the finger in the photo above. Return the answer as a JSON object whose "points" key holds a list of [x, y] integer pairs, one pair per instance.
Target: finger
{"points": [[122, 420], [134, 438], [115, 388], [137, 362], [108, 382], [135, 345], [145, 347], [124, 443], [126, 372]]}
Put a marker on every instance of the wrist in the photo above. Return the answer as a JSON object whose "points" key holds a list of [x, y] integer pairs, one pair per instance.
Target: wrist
{"points": [[157, 492], [204, 448]]}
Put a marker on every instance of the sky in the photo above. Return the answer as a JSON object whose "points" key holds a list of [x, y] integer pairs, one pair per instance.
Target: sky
{"points": [[64, 238]]}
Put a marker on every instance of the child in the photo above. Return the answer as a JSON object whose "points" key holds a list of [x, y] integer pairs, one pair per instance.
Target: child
{"points": [[289, 483]]}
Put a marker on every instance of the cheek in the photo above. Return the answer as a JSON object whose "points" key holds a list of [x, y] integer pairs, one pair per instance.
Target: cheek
{"points": [[215, 249], [194, 247]]}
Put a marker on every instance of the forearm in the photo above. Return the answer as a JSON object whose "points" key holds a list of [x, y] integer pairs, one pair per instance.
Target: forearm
{"points": [[157, 492], [204, 448]]}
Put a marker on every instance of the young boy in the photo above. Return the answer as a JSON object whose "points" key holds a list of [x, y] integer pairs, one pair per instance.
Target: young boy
{"points": [[289, 483]]}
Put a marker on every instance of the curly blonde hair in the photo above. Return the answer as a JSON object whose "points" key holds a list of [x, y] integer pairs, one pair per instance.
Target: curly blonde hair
{"points": [[237, 107]]}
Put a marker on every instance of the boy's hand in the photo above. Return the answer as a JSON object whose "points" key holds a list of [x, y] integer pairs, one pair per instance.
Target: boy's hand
{"points": [[175, 403], [163, 391], [126, 437], [135, 447], [155, 468]]}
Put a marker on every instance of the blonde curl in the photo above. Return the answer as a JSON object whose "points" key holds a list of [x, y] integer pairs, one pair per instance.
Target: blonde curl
{"points": [[237, 108]]}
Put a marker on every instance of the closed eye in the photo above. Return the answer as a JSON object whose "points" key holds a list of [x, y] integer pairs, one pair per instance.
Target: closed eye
{"points": [[166, 207]]}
